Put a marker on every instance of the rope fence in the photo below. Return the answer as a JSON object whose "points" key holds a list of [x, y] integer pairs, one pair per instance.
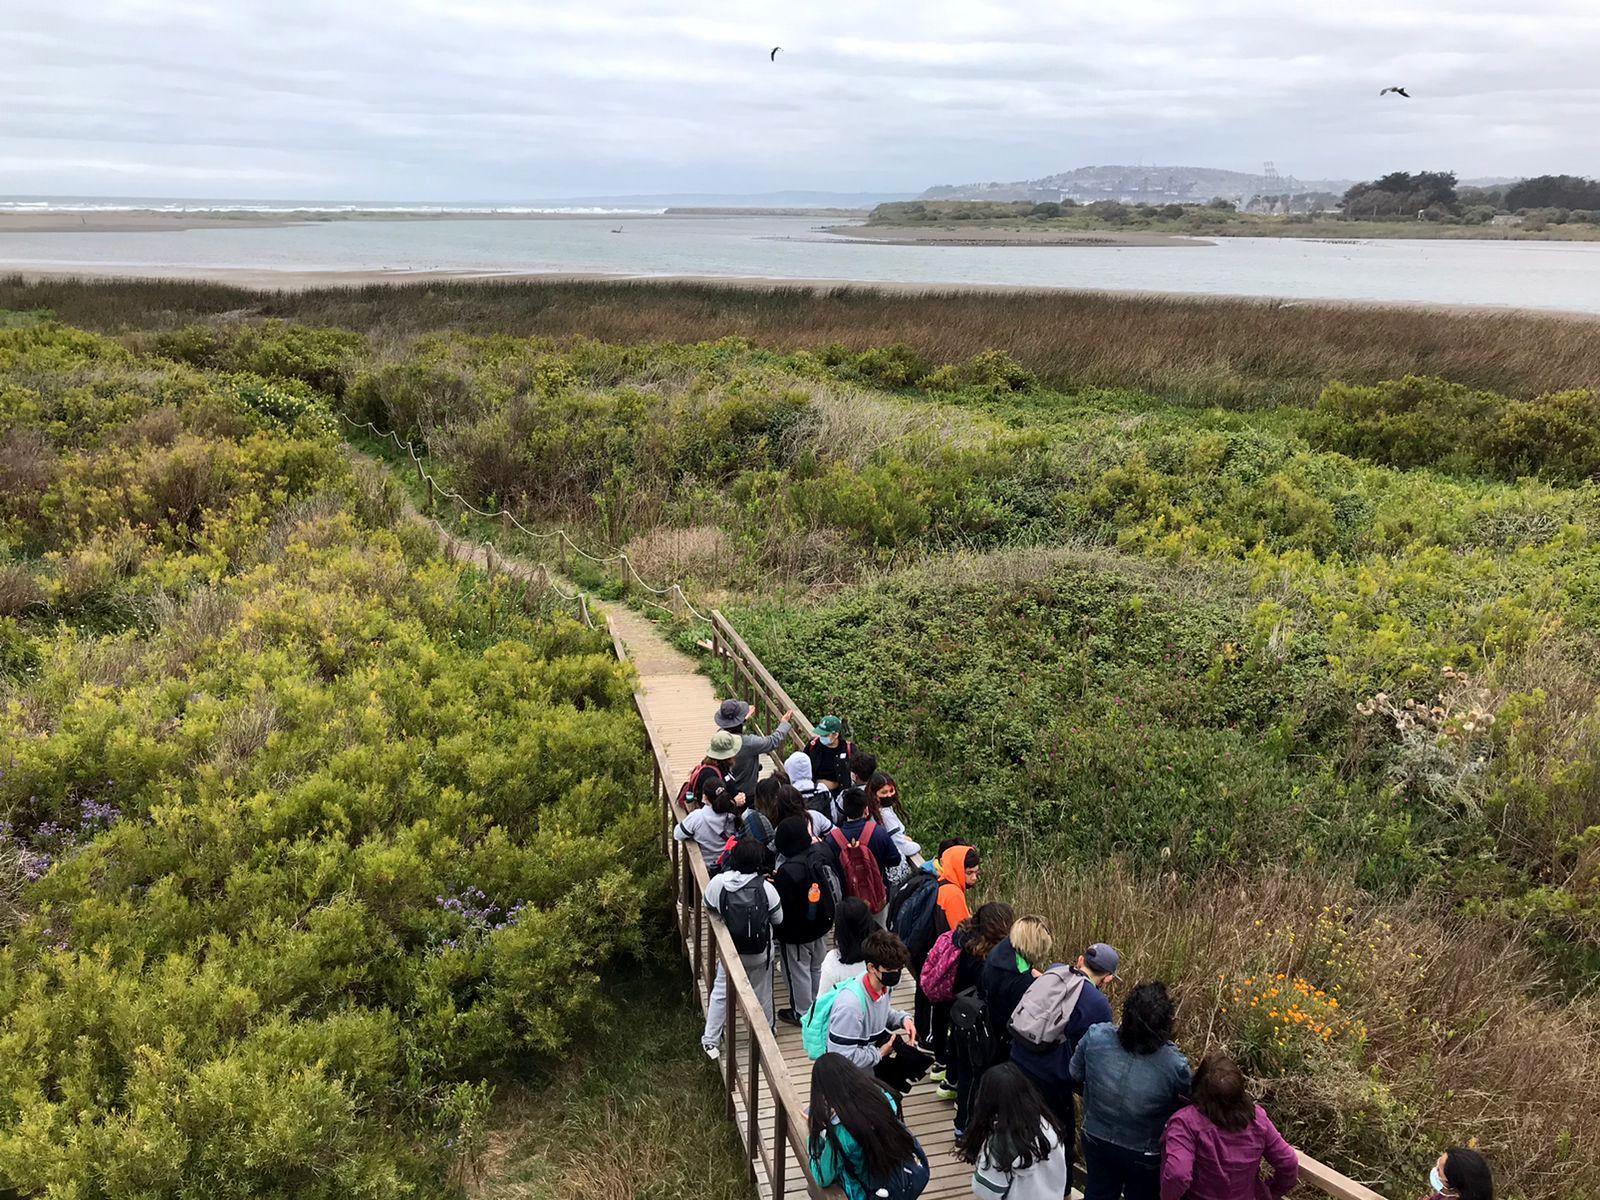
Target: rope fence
{"points": [[560, 536]]}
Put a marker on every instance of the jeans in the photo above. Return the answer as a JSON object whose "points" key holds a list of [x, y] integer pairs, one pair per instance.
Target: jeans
{"points": [[759, 968], [1117, 1173], [802, 967]]}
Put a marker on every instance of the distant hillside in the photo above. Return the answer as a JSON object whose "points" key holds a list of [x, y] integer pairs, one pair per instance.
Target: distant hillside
{"points": [[1137, 184]]}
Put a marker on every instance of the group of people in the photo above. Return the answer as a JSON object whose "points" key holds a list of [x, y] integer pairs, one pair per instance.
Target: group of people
{"points": [[1017, 1035]]}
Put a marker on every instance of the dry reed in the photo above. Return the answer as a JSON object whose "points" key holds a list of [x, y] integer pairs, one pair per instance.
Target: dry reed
{"points": [[1224, 351], [1457, 1028]]}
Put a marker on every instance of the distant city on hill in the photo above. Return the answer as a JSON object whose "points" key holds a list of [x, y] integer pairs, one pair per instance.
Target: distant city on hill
{"points": [[1142, 185]]}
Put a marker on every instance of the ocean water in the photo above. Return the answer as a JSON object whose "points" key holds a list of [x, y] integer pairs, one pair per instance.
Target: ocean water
{"points": [[1563, 276]]}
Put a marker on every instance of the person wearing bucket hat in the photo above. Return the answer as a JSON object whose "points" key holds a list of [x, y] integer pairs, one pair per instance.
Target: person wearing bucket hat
{"points": [[830, 754], [730, 718], [711, 772], [710, 825]]}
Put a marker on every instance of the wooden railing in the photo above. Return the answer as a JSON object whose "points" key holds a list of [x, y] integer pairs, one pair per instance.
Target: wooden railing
{"points": [[752, 1064], [752, 677]]}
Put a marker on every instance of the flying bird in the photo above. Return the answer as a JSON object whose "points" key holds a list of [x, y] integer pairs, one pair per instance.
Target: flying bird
{"points": [[774, 55], [1399, 91]]}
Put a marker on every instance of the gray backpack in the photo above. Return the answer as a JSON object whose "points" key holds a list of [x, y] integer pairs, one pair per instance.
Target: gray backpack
{"points": [[1040, 1020], [744, 911]]}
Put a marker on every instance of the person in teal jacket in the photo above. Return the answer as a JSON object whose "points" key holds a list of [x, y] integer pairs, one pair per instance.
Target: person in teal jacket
{"points": [[856, 1131]]}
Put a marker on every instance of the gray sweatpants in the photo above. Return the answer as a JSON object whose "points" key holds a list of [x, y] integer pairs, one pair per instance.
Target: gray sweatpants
{"points": [[759, 968], [802, 967]]}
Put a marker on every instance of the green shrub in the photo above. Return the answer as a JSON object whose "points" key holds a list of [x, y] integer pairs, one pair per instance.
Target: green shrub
{"points": [[309, 833], [320, 358], [1418, 421]]}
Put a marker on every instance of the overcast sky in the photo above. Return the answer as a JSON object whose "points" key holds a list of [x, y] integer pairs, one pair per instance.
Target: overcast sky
{"points": [[503, 100]]}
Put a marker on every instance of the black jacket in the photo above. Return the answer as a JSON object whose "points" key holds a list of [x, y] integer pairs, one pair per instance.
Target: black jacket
{"points": [[793, 881], [1001, 985], [831, 763]]}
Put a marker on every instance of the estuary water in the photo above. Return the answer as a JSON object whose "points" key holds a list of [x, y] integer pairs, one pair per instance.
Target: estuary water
{"points": [[1562, 276]]}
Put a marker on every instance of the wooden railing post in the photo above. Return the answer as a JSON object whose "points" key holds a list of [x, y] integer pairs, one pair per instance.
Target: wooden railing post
{"points": [[730, 1051], [699, 941], [752, 1095], [780, 1143]]}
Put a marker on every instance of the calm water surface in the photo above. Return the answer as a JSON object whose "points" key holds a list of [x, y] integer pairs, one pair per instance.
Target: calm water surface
{"points": [[1551, 275]]}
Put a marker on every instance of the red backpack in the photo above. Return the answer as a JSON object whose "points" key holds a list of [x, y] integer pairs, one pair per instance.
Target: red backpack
{"points": [[863, 876], [690, 791], [938, 978]]}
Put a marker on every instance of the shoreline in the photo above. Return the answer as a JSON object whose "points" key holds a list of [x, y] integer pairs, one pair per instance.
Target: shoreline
{"points": [[268, 281], [976, 233], [890, 235], [149, 220]]}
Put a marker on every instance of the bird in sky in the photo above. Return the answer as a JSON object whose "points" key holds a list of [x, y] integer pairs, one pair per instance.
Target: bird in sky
{"points": [[1399, 91], [774, 55]]}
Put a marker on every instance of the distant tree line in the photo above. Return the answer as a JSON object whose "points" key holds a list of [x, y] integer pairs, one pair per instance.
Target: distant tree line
{"points": [[1436, 196]]}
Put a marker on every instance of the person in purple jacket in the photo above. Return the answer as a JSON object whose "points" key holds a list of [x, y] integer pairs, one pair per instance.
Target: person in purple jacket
{"points": [[1214, 1146]]}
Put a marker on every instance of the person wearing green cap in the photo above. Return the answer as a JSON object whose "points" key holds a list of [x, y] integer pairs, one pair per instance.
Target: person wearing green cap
{"points": [[830, 754]]}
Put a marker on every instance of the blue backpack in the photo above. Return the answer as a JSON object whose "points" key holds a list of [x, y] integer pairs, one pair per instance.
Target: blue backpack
{"points": [[908, 1181], [911, 913], [814, 1025]]}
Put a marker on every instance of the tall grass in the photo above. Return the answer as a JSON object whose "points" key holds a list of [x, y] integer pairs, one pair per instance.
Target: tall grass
{"points": [[1457, 1041], [1207, 351]]}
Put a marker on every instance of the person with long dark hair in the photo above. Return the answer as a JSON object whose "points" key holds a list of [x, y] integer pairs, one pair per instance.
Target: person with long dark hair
{"points": [[852, 925], [1461, 1174], [790, 803], [857, 1139], [1133, 1079], [1214, 1146], [1013, 1141]]}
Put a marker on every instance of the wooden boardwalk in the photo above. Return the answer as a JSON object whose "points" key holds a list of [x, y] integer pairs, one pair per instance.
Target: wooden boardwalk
{"points": [[766, 1072]]}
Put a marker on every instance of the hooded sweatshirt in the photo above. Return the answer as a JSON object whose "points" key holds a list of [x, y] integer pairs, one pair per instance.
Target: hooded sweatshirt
{"points": [[798, 767], [953, 885]]}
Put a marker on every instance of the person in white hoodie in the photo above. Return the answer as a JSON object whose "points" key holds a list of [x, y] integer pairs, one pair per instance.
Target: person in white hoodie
{"points": [[816, 797]]}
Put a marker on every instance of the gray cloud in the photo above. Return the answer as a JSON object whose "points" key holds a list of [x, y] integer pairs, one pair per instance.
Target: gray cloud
{"points": [[509, 99]]}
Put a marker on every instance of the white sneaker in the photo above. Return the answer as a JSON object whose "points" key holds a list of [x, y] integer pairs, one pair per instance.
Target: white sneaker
{"points": [[712, 1052]]}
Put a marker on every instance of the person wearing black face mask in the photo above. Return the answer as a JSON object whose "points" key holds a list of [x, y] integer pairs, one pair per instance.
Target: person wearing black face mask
{"points": [[864, 1027]]}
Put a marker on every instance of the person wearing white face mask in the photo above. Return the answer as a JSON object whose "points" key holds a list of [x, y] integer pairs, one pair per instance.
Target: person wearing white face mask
{"points": [[830, 753], [1461, 1174]]}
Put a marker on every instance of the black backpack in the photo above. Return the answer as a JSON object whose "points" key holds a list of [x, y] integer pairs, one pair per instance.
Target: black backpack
{"points": [[912, 911], [744, 910], [972, 1036], [810, 921]]}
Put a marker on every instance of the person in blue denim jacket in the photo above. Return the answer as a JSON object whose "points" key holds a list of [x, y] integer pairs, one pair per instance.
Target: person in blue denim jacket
{"points": [[1133, 1079]]}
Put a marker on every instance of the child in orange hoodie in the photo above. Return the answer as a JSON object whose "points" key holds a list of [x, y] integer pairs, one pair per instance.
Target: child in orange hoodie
{"points": [[958, 871]]}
